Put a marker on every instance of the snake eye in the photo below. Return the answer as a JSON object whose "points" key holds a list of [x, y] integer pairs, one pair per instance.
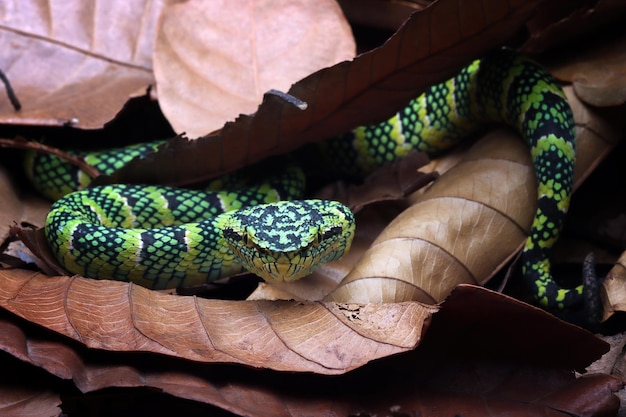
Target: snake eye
{"points": [[244, 238], [335, 231], [328, 234], [230, 234], [236, 236], [319, 237]]}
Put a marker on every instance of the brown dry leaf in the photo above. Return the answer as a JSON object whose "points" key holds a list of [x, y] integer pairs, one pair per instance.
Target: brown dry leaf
{"points": [[25, 391], [598, 74], [469, 223], [381, 14], [20, 401], [18, 206], [276, 335], [75, 62], [563, 21], [215, 60], [613, 289], [430, 47], [499, 366]]}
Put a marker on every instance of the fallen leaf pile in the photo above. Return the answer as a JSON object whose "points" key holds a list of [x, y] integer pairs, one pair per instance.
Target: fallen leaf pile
{"points": [[401, 326]]}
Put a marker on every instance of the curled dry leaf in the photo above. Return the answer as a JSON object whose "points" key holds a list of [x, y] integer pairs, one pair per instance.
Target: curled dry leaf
{"points": [[17, 206], [75, 62], [478, 207], [387, 15], [276, 335], [613, 289], [25, 391], [597, 74], [22, 401], [563, 21], [215, 60], [430, 47], [469, 223]]}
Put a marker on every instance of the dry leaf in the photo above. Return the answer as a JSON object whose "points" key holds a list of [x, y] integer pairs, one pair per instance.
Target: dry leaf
{"points": [[21, 401], [598, 74], [215, 60], [381, 14], [613, 289], [75, 62], [564, 21], [17, 206], [25, 391], [478, 207], [277, 335]]}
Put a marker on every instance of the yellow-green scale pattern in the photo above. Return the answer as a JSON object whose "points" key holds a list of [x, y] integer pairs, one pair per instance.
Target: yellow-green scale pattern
{"points": [[501, 88], [53, 178], [158, 237]]}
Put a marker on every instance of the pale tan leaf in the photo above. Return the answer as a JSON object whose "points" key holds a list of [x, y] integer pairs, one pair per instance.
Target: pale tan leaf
{"points": [[75, 62], [263, 334], [215, 60], [437, 243]]}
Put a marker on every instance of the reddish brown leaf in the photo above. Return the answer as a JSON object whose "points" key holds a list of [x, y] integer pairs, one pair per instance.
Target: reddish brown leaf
{"points": [[430, 47], [276, 335], [17, 206], [25, 391], [22, 401]]}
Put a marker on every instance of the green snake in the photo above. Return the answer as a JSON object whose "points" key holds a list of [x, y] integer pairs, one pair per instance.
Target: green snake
{"points": [[163, 237]]}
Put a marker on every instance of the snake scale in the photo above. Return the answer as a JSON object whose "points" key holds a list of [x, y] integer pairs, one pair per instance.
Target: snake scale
{"points": [[162, 237]]}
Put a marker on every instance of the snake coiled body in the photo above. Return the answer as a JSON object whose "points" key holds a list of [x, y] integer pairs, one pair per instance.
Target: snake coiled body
{"points": [[502, 88]]}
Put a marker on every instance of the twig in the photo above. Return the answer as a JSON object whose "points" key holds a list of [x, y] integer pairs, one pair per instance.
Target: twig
{"points": [[294, 101], [21, 143], [15, 102]]}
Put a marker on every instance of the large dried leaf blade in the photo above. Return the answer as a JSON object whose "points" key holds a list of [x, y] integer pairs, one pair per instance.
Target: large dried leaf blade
{"points": [[263, 334], [430, 47]]}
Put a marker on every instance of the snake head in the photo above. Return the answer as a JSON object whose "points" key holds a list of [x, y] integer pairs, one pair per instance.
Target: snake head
{"points": [[286, 241]]}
